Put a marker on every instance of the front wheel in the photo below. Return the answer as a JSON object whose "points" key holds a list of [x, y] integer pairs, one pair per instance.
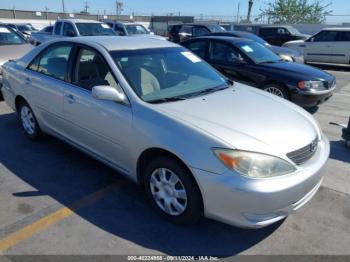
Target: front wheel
{"points": [[172, 191], [28, 121], [277, 90]]}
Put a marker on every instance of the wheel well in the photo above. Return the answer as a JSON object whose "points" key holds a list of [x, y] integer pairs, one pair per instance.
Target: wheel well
{"points": [[18, 100], [152, 153]]}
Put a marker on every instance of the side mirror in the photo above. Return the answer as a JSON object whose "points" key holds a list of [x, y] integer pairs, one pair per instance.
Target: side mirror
{"points": [[109, 93], [312, 39], [71, 33]]}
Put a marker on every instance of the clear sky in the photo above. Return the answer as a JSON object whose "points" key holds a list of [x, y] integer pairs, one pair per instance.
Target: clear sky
{"points": [[161, 7]]}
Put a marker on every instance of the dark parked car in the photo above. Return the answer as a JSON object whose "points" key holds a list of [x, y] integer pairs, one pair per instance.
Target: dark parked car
{"points": [[286, 54], [255, 65], [179, 33], [278, 35], [25, 29]]}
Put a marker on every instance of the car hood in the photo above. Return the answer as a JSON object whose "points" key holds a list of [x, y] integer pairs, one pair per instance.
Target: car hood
{"points": [[8, 52], [284, 51], [301, 71], [246, 118]]}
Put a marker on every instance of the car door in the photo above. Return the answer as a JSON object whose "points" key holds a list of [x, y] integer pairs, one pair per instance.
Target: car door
{"points": [[320, 48], [98, 126], [229, 61], [45, 79], [341, 50]]}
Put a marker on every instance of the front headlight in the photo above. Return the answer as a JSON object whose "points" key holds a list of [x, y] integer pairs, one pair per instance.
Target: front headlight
{"points": [[287, 58], [254, 165], [312, 85]]}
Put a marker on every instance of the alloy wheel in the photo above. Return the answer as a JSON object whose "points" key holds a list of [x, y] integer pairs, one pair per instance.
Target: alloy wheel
{"points": [[274, 90], [27, 120], [168, 191]]}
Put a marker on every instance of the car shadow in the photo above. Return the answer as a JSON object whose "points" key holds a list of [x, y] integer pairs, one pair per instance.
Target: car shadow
{"points": [[339, 151], [67, 175]]}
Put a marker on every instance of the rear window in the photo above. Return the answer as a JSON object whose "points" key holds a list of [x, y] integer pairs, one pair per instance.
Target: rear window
{"points": [[9, 37], [175, 29], [93, 29]]}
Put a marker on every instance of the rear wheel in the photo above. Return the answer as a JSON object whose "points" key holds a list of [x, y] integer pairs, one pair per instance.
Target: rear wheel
{"points": [[28, 121], [277, 90], [172, 191]]}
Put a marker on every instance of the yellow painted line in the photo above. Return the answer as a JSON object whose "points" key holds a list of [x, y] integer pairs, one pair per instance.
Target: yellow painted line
{"points": [[55, 217]]}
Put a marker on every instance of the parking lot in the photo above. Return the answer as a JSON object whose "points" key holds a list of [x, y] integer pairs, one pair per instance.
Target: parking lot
{"points": [[56, 200]]}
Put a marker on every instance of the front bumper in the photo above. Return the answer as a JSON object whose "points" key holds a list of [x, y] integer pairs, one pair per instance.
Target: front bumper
{"points": [[311, 98], [255, 203]]}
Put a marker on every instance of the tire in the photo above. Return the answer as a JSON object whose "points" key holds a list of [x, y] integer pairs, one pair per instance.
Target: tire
{"points": [[183, 195], [277, 90], [28, 120]]}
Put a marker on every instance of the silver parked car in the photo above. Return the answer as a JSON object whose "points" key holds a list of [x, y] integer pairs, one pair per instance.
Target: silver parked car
{"points": [[12, 46], [199, 144]]}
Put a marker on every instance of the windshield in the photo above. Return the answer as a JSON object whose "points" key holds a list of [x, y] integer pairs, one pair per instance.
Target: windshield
{"points": [[293, 30], [9, 37], [135, 29], [167, 73], [216, 28], [93, 29], [26, 28], [257, 52]]}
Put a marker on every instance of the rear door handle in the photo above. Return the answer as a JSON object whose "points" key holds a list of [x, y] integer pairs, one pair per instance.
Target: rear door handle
{"points": [[70, 98]]}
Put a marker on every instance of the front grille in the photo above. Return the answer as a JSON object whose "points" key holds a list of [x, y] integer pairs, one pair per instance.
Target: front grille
{"points": [[302, 155]]}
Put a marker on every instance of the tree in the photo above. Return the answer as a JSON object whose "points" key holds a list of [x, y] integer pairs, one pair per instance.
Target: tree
{"points": [[297, 11]]}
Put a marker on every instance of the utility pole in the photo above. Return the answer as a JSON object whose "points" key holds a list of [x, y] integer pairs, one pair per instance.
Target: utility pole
{"points": [[119, 8], [238, 9], [250, 5], [46, 11], [86, 7], [63, 8]]}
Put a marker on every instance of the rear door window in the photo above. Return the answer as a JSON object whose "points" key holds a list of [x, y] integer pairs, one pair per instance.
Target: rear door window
{"points": [[53, 61], [223, 52], [344, 36], [186, 29]]}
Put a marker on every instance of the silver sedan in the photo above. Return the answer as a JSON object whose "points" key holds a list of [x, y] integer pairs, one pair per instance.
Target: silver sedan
{"points": [[198, 143]]}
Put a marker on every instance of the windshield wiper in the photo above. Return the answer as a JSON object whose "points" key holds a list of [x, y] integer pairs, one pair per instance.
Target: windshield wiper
{"points": [[167, 99], [209, 90]]}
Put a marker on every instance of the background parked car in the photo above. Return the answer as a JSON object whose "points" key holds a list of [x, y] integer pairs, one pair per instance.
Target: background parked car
{"points": [[12, 46], [179, 33], [331, 45], [132, 29], [46, 31], [251, 63], [278, 35], [286, 54], [73, 28], [25, 29]]}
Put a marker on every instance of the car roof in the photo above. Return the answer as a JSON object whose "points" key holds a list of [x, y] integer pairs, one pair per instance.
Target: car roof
{"points": [[336, 29], [78, 20], [115, 43], [229, 39]]}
